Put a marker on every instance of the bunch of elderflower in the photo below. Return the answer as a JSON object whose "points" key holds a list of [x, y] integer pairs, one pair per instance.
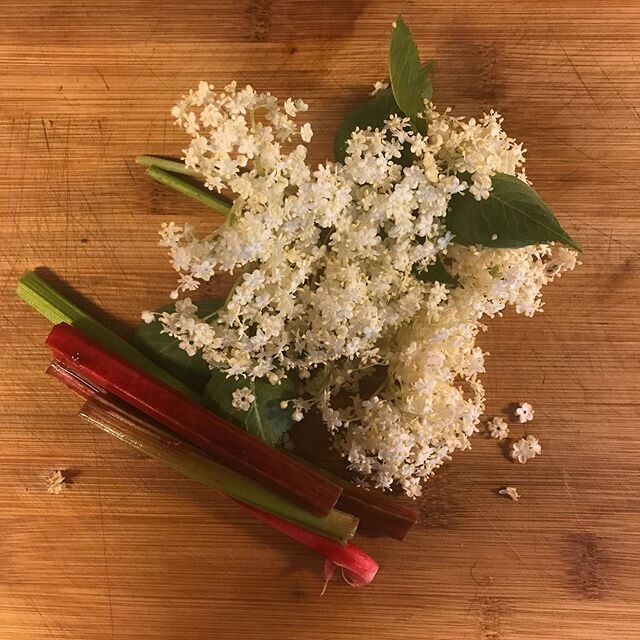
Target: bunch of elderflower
{"points": [[332, 264]]}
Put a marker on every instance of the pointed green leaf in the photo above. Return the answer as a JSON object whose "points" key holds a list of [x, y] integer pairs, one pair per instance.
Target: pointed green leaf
{"points": [[513, 216], [437, 272], [164, 350], [266, 418], [410, 81]]}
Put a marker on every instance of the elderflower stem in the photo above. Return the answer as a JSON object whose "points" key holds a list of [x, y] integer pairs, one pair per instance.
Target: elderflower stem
{"points": [[175, 166], [188, 189]]}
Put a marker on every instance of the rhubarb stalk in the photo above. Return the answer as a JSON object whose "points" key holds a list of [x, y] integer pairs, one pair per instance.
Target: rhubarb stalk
{"points": [[378, 514], [228, 445], [57, 308], [358, 567], [152, 440]]}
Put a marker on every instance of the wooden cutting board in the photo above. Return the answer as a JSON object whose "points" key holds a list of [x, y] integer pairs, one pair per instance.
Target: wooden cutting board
{"points": [[133, 551]]}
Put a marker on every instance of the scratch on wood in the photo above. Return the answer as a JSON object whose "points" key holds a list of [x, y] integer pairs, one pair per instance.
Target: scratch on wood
{"points": [[632, 109], [46, 137], [602, 164], [106, 84], [489, 72], [40, 614], [126, 164], [567, 487], [575, 69], [503, 537], [437, 511]]}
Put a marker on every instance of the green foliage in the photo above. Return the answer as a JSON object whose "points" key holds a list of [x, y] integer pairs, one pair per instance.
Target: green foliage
{"points": [[410, 86], [437, 272], [513, 216], [266, 418], [164, 350], [410, 80]]}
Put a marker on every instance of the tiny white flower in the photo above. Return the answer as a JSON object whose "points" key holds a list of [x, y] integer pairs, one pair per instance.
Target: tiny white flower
{"points": [[510, 492], [379, 86], [498, 428], [494, 236], [242, 399], [525, 412], [56, 481], [290, 108], [525, 449], [306, 132], [147, 317]]}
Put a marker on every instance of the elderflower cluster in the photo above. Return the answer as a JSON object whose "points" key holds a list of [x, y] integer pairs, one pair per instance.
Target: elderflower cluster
{"points": [[329, 261]]}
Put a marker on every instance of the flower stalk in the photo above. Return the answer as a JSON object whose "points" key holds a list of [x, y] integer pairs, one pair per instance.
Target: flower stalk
{"points": [[189, 189]]}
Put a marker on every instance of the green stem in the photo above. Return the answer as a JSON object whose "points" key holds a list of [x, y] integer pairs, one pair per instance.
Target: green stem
{"points": [[188, 189], [175, 166], [144, 436], [56, 308]]}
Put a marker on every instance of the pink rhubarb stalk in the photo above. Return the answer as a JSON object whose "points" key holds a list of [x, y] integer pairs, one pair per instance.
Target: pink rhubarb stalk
{"points": [[357, 567]]}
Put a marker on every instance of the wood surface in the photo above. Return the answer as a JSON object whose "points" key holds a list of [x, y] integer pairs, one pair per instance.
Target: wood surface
{"points": [[133, 551]]}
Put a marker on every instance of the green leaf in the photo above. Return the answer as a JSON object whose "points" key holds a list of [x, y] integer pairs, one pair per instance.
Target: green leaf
{"points": [[266, 418], [372, 113], [164, 350], [410, 81], [437, 272], [513, 216]]}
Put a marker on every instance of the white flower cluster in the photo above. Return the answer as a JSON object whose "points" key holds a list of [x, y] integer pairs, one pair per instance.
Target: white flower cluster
{"points": [[328, 260], [525, 449]]}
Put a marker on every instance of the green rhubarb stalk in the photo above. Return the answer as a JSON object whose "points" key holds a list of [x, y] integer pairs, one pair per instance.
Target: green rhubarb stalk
{"points": [[56, 308], [153, 441], [174, 166], [189, 189]]}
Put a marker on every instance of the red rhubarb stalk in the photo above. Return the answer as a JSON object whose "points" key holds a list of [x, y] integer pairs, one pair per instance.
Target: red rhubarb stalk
{"points": [[137, 431], [227, 444], [378, 514], [357, 567]]}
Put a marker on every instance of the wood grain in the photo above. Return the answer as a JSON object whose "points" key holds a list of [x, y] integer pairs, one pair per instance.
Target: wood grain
{"points": [[131, 550]]}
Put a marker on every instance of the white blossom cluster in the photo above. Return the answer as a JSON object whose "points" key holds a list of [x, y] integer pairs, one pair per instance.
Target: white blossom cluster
{"points": [[525, 449], [328, 258]]}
